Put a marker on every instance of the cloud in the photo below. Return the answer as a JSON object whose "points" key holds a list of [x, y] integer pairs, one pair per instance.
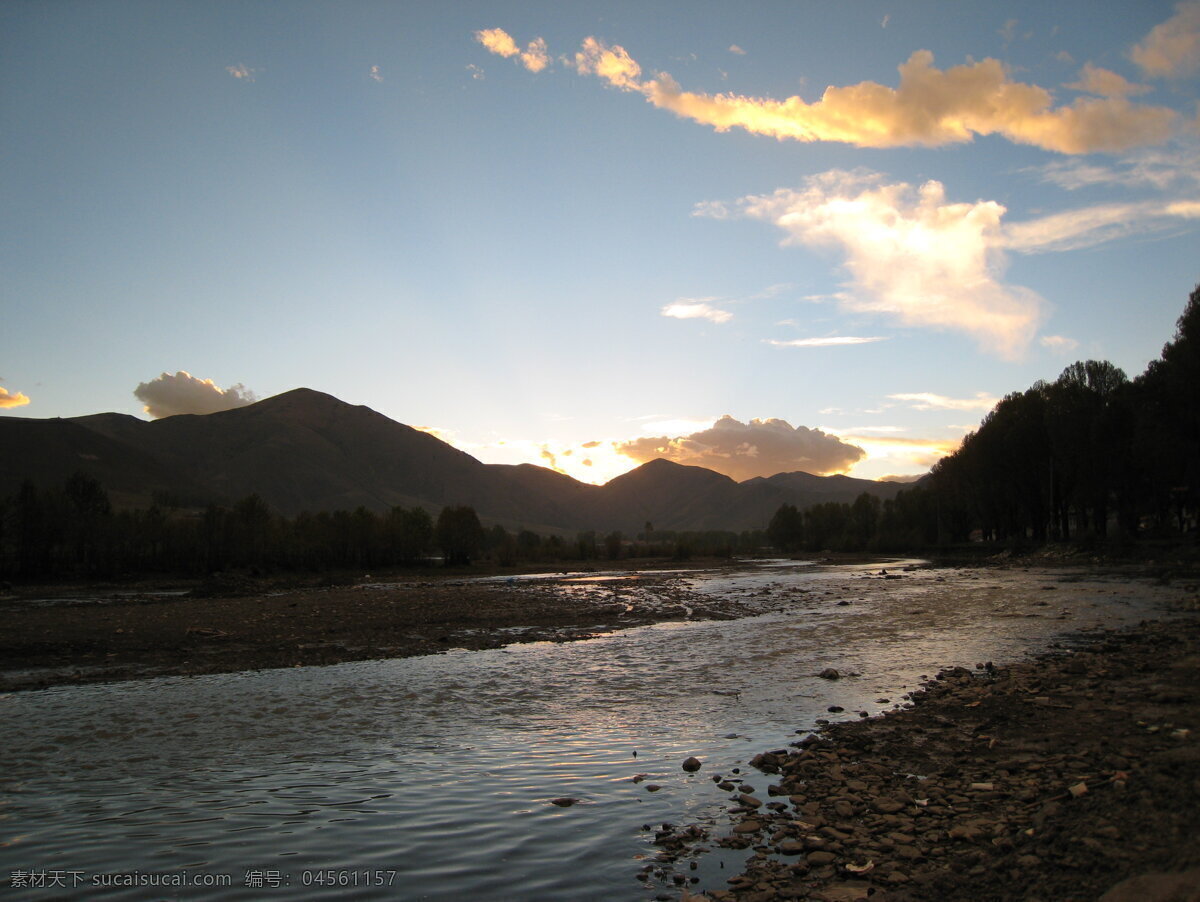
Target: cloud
{"points": [[476, 72], [930, 401], [1089, 226], [832, 341], [535, 57], [1159, 169], [911, 255], [242, 72], [734, 48], [169, 395], [687, 308], [498, 41], [8, 399], [612, 64], [1058, 343], [745, 450], [930, 108], [375, 74], [890, 454], [1106, 83], [1171, 49]]}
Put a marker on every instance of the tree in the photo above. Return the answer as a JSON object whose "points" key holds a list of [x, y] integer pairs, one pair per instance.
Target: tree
{"points": [[459, 535], [786, 529]]}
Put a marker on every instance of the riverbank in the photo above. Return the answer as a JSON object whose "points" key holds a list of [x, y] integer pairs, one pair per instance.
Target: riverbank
{"points": [[232, 625], [1071, 777]]}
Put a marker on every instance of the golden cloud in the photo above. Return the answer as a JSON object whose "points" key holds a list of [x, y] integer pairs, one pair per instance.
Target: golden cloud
{"points": [[1171, 49], [745, 450], [891, 454], [8, 399], [169, 395], [1106, 83], [931, 107], [535, 57]]}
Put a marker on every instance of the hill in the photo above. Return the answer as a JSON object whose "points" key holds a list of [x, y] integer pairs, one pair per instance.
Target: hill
{"points": [[307, 450]]}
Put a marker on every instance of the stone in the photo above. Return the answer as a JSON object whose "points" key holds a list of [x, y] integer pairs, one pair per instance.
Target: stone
{"points": [[817, 859], [829, 673], [691, 765], [563, 802], [1183, 886]]}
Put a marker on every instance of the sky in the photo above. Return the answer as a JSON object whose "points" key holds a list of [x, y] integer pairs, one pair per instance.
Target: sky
{"points": [[754, 237]]}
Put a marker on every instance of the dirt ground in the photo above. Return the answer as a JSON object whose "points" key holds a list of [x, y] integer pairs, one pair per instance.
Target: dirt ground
{"points": [[1075, 777], [230, 625]]}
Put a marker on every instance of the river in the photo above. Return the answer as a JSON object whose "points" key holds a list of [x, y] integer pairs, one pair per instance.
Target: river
{"points": [[433, 777]]}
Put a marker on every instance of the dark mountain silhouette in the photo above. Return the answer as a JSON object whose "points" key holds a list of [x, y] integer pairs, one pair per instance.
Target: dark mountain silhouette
{"points": [[306, 450]]}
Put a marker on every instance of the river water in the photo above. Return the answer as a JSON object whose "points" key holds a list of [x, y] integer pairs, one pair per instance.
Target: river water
{"points": [[433, 778]]}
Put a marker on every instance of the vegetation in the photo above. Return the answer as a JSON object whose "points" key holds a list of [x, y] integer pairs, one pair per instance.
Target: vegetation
{"points": [[1091, 455]]}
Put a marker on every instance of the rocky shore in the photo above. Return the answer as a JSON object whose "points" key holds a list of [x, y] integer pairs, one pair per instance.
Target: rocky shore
{"points": [[1072, 777]]}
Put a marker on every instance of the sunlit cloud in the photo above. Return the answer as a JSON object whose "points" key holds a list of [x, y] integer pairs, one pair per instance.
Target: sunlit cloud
{"points": [[498, 41], [829, 342], [375, 74], [930, 108], [535, 57], [1106, 83], [1171, 49], [1160, 169], [745, 450], [1058, 343], [182, 392], [476, 72], [242, 72], [931, 401], [1089, 226], [885, 456], [911, 255], [734, 48], [9, 399], [687, 308]]}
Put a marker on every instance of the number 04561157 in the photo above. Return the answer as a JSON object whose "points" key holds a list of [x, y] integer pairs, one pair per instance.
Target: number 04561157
{"points": [[336, 877]]}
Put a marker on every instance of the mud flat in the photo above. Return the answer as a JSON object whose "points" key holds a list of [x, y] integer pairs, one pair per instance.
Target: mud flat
{"points": [[1071, 777], [47, 642]]}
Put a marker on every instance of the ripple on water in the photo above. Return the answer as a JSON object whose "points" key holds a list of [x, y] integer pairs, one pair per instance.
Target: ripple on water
{"points": [[442, 768]]}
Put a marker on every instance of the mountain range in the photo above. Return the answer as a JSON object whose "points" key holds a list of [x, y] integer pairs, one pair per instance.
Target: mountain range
{"points": [[306, 450]]}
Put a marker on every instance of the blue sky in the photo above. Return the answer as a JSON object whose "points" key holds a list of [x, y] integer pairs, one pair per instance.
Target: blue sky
{"points": [[585, 235]]}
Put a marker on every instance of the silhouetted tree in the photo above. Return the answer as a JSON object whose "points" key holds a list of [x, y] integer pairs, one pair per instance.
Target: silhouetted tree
{"points": [[459, 535]]}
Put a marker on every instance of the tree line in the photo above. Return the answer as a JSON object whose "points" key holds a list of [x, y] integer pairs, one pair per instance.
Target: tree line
{"points": [[1092, 455], [73, 530]]}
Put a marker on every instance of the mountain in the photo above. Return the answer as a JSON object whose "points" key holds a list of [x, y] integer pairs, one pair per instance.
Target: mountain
{"points": [[818, 489], [306, 450]]}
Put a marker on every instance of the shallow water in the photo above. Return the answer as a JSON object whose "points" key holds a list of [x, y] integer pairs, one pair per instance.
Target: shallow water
{"points": [[436, 774]]}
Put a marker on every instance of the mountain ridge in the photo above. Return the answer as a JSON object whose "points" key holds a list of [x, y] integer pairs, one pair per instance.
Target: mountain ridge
{"points": [[308, 450]]}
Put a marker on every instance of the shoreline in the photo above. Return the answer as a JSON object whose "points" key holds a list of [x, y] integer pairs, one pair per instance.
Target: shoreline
{"points": [[236, 625], [1048, 780]]}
